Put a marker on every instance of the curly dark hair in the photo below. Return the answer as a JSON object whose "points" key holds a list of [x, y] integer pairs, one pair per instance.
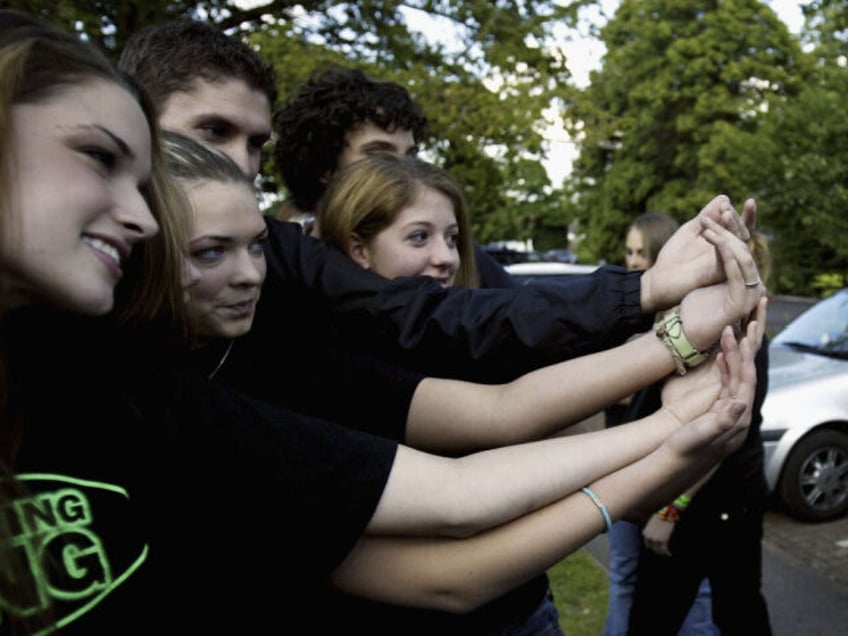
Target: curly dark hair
{"points": [[166, 57], [311, 127]]}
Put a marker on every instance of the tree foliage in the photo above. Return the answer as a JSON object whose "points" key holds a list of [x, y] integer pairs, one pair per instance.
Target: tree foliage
{"points": [[807, 194], [662, 123], [483, 92]]}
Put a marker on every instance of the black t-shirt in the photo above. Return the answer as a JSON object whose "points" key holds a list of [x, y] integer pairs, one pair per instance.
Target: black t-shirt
{"points": [[156, 498]]}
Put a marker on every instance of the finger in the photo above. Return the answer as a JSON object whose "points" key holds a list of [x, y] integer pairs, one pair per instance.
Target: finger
{"points": [[743, 382], [731, 420], [749, 215], [733, 273], [755, 329], [737, 261], [732, 221], [716, 208], [749, 369], [721, 363], [732, 361]]}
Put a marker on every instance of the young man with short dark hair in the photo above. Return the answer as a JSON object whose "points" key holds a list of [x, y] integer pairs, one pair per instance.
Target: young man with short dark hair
{"points": [[207, 85]]}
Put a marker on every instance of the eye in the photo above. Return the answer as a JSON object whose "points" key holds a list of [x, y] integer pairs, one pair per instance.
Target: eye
{"points": [[214, 132], [104, 157], [452, 239], [207, 255], [258, 143], [257, 247], [418, 238]]}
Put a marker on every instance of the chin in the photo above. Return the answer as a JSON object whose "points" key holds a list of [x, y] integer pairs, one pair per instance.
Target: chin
{"points": [[236, 332], [91, 306]]}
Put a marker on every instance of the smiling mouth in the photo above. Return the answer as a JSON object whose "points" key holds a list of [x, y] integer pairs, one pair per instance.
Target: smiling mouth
{"points": [[104, 248]]}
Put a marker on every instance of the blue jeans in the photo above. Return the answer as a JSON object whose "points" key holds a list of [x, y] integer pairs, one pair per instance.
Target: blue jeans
{"points": [[625, 542], [544, 621]]}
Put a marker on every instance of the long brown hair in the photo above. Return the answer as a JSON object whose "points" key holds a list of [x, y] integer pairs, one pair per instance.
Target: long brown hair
{"points": [[656, 228]]}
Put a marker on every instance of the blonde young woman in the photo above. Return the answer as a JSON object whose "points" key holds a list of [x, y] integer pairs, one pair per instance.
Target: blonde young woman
{"points": [[400, 216]]}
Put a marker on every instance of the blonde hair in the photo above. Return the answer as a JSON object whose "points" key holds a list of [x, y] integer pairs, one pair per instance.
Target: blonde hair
{"points": [[759, 248], [366, 197]]}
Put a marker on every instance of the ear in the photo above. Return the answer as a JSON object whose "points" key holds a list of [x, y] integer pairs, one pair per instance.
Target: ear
{"points": [[358, 251]]}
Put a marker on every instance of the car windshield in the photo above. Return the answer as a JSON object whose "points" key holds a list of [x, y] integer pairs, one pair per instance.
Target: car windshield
{"points": [[822, 329]]}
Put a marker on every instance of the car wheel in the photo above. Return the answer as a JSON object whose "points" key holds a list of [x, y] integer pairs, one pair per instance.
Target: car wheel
{"points": [[814, 482]]}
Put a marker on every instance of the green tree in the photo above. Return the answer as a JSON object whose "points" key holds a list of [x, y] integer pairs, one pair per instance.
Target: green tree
{"points": [[673, 115], [807, 140]]}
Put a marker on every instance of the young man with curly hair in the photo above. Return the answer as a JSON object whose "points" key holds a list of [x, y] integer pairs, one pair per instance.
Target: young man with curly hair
{"points": [[338, 116]]}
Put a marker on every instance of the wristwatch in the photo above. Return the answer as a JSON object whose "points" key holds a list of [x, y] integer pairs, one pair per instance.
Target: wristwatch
{"points": [[671, 333]]}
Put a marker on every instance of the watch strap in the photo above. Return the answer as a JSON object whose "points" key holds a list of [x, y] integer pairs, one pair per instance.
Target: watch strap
{"points": [[671, 333]]}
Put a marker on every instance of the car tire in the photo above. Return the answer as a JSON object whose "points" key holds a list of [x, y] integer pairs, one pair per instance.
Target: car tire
{"points": [[814, 482]]}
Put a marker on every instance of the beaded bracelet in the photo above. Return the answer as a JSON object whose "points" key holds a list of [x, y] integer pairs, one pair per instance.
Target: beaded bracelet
{"points": [[600, 505], [672, 511], [669, 513], [682, 502]]}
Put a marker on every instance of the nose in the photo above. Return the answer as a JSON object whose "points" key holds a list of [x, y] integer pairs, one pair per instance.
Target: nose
{"points": [[443, 254], [250, 269], [635, 261], [133, 213]]}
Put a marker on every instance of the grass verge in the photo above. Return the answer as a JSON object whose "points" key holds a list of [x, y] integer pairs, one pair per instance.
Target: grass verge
{"points": [[580, 592]]}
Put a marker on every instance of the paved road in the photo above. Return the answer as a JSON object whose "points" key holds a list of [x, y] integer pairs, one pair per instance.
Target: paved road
{"points": [[782, 309]]}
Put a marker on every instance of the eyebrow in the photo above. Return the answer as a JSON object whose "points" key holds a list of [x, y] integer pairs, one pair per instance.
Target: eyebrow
{"points": [[212, 237], [122, 145], [264, 233], [216, 119], [380, 145], [428, 224]]}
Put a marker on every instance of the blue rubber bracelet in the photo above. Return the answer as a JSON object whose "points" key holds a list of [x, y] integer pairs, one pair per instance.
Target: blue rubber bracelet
{"points": [[600, 506]]}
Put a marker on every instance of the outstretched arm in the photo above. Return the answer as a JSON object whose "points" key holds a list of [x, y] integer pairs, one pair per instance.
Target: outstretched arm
{"points": [[453, 416], [427, 494], [459, 575], [489, 334]]}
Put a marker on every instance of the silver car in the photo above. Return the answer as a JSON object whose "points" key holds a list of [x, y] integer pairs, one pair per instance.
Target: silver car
{"points": [[805, 413]]}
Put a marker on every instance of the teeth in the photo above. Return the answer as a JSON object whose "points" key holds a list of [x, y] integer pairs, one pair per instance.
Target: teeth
{"points": [[104, 247]]}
